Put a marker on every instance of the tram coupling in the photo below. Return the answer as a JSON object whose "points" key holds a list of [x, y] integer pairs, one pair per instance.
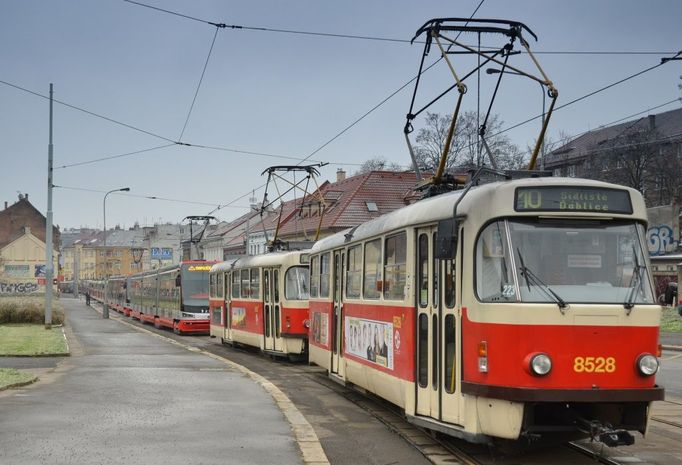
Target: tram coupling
{"points": [[607, 435]]}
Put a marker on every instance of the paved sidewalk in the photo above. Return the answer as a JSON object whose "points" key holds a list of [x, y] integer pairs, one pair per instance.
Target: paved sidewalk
{"points": [[134, 398], [671, 341]]}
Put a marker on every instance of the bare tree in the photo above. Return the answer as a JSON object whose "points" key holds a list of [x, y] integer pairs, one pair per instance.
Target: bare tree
{"points": [[378, 164], [464, 150]]}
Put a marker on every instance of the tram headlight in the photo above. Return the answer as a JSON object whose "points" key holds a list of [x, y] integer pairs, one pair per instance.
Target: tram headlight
{"points": [[540, 364], [647, 365]]}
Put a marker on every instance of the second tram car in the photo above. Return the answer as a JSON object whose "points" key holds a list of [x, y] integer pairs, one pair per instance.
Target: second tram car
{"points": [[262, 302], [517, 309]]}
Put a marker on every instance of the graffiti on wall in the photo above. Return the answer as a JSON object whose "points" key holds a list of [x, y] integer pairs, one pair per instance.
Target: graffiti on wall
{"points": [[661, 240], [18, 288]]}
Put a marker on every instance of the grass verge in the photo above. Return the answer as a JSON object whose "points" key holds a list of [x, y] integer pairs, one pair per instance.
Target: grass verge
{"points": [[671, 322], [30, 309], [32, 340], [10, 377]]}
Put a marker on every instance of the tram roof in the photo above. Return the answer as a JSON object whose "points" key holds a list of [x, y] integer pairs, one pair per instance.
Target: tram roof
{"points": [[268, 259], [441, 207]]}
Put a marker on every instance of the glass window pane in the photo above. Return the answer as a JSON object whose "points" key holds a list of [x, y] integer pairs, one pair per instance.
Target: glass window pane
{"points": [[423, 263], [449, 282], [372, 274], [434, 353], [324, 275], [296, 283], [266, 285], [315, 277], [436, 263], [494, 281], [354, 272], [235, 285], [275, 284], [450, 340], [255, 283], [220, 285], [394, 267], [423, 350], [246, 287]]}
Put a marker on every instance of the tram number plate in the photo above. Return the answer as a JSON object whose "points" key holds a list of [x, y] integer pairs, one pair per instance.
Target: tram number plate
{"points": [[594, 364]]}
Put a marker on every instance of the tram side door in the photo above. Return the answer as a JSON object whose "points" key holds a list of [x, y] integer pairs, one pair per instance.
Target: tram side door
{"points": [[272, 318], [337, 316], [428, 325], [227, 313]]}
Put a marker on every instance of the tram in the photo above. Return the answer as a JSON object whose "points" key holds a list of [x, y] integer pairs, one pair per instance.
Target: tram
{"points": [[262, 302], [174, 297], [514, 310]]}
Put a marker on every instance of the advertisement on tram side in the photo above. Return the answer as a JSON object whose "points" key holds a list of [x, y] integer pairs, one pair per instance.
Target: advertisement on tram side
{"points": [[370, 340], [320, 326]]}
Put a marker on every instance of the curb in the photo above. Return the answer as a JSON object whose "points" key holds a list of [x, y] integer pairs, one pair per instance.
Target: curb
{"points": [[20, 384], [671, 347], [308, 443]]}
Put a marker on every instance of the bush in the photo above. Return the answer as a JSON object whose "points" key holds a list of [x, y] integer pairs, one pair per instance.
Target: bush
{"points": [[28, 310]]}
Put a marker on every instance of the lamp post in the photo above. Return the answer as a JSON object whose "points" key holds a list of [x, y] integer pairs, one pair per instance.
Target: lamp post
{"points": [[105, 308], [542, 91]]}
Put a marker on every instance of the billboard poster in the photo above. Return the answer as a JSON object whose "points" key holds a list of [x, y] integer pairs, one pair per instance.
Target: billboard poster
{"points": [[17, 271], [161, 253], [238, 317], [320, 328], [370, 340], [39, 271]]}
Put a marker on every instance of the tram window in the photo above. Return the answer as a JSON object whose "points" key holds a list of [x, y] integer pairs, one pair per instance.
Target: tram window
{"points": [[220, 286], [235, 285], [275, 284], [246, 290], [354, 272], [324, 275], [211, 285], [266, 285], [494, 282], [423, 348], [394, 267], [450, 339], [423, 261], [436, 297], [449, 283], [255, 283], [372, 284], [434, 352], [314, 276], [296, 283]]}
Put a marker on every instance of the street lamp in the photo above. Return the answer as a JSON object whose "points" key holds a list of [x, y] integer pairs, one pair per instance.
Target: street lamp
{"points": [[542, 91], [105, 308]]}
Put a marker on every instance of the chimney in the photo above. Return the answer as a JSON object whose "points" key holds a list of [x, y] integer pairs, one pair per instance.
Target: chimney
{"points": [[5, 204], [26, 196], [340, 175], [27, 230], [652, 123]]}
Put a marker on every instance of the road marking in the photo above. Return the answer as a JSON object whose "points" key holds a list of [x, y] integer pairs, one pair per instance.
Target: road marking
{"points": [[671, 358]]}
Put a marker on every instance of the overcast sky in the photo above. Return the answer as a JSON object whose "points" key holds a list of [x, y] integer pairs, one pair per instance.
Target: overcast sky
{"points": [[277, 93]]}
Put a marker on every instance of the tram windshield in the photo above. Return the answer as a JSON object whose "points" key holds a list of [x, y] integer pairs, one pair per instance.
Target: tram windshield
{"points": [[297, 283], [195, 285], [557, 261]]}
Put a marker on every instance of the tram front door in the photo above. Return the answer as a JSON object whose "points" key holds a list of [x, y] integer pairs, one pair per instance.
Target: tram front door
{"points": [[272, 330], [438, 373], [337, 317]]}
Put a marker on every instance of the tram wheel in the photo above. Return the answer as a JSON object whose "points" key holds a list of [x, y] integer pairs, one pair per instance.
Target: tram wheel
{"points": [[176, 328]]}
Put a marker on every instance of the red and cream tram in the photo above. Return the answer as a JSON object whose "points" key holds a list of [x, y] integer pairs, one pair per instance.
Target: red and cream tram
{"points": [[262, 301], [519, 309], [175, 297]]}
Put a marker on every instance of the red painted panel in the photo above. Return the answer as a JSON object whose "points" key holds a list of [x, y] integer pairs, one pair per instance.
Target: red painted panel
{"points": [[509, 345], [213, 304], [293, 321], [247, 316]]}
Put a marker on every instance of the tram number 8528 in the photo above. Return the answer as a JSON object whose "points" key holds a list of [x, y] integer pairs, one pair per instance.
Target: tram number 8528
{"points": [[594, 364]]}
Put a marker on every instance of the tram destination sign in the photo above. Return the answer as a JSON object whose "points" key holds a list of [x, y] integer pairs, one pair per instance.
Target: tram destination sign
{"points": [[572, 199]]}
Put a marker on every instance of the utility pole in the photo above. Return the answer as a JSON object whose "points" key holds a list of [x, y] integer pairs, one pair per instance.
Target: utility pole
{"points": [[49, 264]]}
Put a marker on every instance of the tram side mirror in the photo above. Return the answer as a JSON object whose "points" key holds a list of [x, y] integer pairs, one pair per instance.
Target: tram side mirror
{"points": [[177, 281], [446, 239]]}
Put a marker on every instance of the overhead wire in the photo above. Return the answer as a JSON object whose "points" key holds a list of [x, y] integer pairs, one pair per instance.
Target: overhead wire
{"points": [[112, 157]]}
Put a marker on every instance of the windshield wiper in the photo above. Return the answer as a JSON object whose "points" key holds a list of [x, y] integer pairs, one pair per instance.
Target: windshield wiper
{"points": [[532, 278], [635, 282]]}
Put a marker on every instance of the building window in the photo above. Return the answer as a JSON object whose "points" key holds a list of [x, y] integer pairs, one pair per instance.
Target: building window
{"points": [[570, 171]]}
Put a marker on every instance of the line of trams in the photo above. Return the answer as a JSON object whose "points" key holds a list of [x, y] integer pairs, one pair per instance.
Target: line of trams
{"points": [[517, 310]]}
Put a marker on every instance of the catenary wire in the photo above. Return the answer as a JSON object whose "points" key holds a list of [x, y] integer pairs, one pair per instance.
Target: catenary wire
{"points": [[385, 39], [114, 156], [196, 93]]}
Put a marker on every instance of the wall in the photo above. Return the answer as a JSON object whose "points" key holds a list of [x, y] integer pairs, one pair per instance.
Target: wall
{"points": [[663, 235], [23, 266]]}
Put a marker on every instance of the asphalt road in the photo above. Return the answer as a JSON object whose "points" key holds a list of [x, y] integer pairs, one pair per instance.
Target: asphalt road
{"points": [[129, 397], [670, 374]]}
